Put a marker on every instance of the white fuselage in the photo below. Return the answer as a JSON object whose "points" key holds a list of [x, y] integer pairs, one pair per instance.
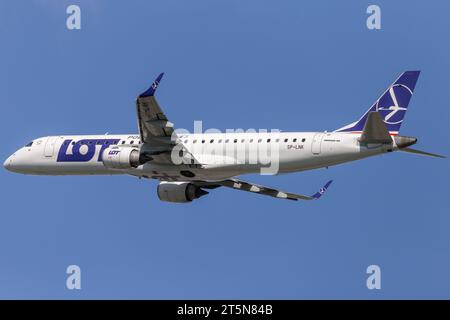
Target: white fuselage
{"points": [[221, 155]]}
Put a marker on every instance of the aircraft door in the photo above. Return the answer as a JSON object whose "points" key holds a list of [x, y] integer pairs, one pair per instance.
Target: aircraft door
{"points": [[49, 148], [316, 144]]}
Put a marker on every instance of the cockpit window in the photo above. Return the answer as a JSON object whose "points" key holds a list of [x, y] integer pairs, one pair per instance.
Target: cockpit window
{"points": [[29, 144]]}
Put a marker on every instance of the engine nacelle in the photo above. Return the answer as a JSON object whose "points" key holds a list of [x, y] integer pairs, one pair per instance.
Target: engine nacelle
{"points": [[179, 191], [117, 157]]}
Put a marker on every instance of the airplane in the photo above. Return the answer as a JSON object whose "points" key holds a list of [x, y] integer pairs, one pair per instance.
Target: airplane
{"points": [[189, 164]]}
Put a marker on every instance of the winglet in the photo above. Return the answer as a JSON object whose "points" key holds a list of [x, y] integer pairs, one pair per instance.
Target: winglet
{"points": [[151, 91], [322, 190]]}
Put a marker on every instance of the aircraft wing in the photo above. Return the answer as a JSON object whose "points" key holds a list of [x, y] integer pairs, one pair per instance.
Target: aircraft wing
{"points": [[156, 131], [255, 188]]}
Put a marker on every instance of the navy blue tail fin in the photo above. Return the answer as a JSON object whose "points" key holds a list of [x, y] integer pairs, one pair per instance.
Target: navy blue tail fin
{"points": [[392, 105]]}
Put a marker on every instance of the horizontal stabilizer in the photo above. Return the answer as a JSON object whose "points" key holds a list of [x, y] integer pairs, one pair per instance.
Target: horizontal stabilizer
{"points": [[375, 130], [423, 153]]}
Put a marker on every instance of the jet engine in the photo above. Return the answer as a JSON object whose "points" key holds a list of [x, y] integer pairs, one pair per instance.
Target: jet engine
{"points": [[117, 157], [179, 191]]}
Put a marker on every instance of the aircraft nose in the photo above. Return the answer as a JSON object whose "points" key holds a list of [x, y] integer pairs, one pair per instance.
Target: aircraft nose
{"points": [[18, 163], [10, 163], [7, 163]]}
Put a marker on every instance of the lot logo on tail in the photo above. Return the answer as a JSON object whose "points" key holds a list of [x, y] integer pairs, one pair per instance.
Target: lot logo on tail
{"points": [[392, 105]]}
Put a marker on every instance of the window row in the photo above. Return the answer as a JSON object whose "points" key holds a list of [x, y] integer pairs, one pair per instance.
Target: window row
{"points": [[131, 142], [93, 142], [243, 140]]}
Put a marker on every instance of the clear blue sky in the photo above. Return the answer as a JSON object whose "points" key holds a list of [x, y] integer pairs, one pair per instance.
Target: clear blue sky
{"points": [[289, 65]]}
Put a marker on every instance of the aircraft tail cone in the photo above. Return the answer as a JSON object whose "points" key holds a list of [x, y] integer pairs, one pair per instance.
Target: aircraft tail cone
{"points": [[403, 141]]}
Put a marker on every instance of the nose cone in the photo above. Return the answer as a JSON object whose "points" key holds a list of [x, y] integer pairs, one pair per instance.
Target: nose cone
{"points": [[20, 162], [11, 164], [7, 163]]}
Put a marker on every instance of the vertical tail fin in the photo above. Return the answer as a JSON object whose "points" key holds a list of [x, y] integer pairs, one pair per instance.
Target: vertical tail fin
{"points": [[391, 106]]}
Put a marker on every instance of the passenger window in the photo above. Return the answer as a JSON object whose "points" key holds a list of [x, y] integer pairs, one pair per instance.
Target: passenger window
{"points": [[226, 141], [212, 140], [285, 140], [303, 140], [278, 140], [259, 140], [194, 141], [295, 140], [131, 142], [243, 140], [251, 140], [268, 140], [235, 140], [203, 141], [220, 141], [123, 142], [185, 141]]}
